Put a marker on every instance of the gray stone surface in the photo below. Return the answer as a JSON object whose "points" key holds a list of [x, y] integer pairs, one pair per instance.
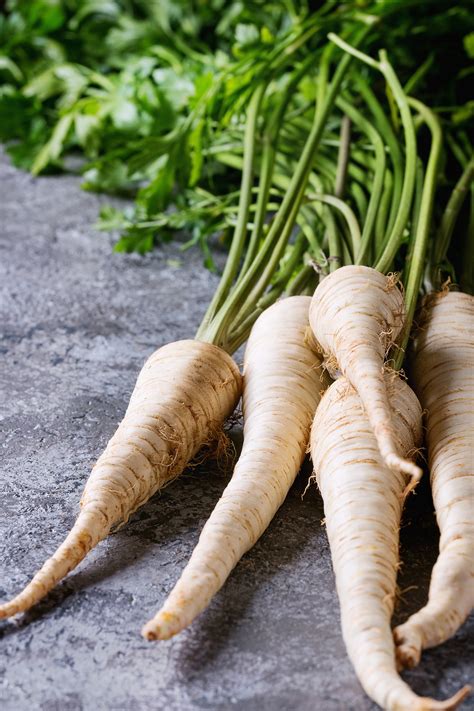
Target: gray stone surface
{"points": [[77, 323]]}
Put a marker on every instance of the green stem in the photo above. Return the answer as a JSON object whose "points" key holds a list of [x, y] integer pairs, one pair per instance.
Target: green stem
{"points": [[346, 212], [268, 161], [331, 237], [448, 220], [249, 290], [419, 183], [343, 157], [335, 245], [360, 200], [377, 185], [238, 240], [419, 74], [332, 234], [297, 285], [381, 225], [394, 240], [415, 275], [312, 238], [293, 261], [265, 182], [323, 75], [269, 256], [354, 51], [457, 150], [385, 130]]}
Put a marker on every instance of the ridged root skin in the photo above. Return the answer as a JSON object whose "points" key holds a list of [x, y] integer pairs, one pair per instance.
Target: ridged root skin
{"points": [[183, 393], [282, 383], [356, 315], [363, 501], [443, 377]]}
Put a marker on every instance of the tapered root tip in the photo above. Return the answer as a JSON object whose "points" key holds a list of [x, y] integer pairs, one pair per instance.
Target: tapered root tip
{"points": [[27, 599], [163, 626], [449, 704], [150, 633], [89, 529], [8, 609], [408, 646], [406, 466], [461, 695]]}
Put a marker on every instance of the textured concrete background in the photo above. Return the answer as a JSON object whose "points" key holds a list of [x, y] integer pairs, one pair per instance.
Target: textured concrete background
{"points": [[77, 322]]}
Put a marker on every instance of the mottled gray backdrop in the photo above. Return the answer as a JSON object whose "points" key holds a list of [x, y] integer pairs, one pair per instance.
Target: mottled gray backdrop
{"points": [[77, 323]]}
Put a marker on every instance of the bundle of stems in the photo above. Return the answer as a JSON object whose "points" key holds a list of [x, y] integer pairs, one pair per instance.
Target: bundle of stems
{"points": [[338, 198]]}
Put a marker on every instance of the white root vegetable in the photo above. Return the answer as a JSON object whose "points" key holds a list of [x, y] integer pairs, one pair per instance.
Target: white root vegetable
{"points": [[356, 315], [443, 377], [363, 503], [183, 394], [282, 385]]}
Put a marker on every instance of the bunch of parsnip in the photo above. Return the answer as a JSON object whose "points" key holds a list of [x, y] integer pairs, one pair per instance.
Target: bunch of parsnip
{"points": [[340, 214]]}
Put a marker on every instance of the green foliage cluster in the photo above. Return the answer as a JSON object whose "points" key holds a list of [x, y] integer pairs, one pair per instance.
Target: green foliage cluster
{"points": [[153, 97]]}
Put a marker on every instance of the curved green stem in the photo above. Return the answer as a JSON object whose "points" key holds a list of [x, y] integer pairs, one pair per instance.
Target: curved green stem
{"points": [[386, 131], [377, 185], [346, 212], [299, 282], [419, 182], [247, 293], [323, 75], [419, 74], [343, 157], [332, 234], [268, 160], [312, 238], [333, 240], [238, 239], [415, 274], [360, 200], [448, 220], [393, 242], [291, 264], [382, 214], [336, 246]]}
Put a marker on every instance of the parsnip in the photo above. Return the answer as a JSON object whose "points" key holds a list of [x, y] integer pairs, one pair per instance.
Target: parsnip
{"points": [[356, 315], [362, 504], [282, 384], [443, 377], [183, 393]]}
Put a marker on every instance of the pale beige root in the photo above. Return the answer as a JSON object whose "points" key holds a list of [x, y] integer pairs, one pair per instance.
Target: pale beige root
{"points": [[356, 314], [363, 501], [183, 393], [443, 377], [281, 388]]}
